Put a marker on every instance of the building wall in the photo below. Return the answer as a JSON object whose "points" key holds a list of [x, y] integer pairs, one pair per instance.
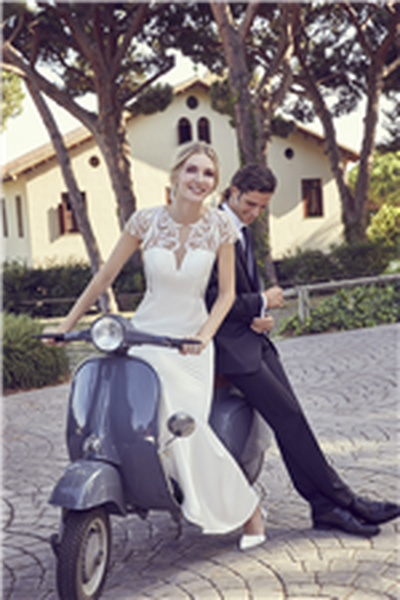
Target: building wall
{"points": [[15, 246], [45, 186], [290, 229], [154, 138], [154, 141]]}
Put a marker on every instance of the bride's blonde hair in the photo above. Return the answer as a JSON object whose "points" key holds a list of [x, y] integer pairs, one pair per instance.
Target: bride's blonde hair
{"points": [[186, 151]]}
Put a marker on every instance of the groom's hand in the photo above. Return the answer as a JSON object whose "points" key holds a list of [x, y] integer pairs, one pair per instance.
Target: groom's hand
{"points": [[262, 324], [274, 297]]}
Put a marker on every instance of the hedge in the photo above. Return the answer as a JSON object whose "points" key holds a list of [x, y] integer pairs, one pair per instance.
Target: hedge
{"points": [[347, 261], [27, 362], [26, 290], [349, 308]]}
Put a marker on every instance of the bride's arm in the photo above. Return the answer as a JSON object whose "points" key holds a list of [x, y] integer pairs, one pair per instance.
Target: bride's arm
{"points": [[125, 247], [226, 293]]}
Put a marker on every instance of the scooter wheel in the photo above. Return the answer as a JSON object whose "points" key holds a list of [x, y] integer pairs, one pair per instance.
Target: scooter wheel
{"points": [[83, 554]]}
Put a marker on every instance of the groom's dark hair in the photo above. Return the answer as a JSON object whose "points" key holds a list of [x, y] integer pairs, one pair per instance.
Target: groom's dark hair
{"points": [[252, 178]]}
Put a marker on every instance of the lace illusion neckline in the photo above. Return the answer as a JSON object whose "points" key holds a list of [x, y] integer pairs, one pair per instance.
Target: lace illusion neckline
{"points": [[193, 224]]}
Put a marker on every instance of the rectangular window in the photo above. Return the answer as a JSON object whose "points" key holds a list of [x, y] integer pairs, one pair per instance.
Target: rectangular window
{"points": [[312, 197], [20, 224], [66, 217], [4, 217]]}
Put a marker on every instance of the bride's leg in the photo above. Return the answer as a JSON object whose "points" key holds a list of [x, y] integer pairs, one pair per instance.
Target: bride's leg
{"points": [[255, 525]]}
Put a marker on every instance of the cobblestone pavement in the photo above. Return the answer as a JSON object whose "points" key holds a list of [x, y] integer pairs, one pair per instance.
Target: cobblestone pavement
{"points": [[347, 385]]}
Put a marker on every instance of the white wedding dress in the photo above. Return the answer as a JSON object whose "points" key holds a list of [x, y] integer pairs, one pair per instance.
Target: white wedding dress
{"points": [[217, 497]]}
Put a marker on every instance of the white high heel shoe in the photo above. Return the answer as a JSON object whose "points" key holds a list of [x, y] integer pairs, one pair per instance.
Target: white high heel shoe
{"points": [[251, 541]]}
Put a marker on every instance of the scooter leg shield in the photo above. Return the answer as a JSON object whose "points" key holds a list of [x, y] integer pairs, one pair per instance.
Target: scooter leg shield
{"points": [[85, 484]]}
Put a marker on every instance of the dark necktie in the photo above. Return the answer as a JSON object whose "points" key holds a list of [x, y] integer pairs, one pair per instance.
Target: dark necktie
{"points": [[249, 252]]}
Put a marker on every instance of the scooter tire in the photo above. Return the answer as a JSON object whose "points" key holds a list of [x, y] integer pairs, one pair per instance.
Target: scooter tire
{"points": [[83, 554]]}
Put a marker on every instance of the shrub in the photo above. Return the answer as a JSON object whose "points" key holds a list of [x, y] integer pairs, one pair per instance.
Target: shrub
{"points": [[347, 261], [349, 308], [385, 226], [27, 362], [23, 284], [25, 290], [306, 266], [360, 259]]}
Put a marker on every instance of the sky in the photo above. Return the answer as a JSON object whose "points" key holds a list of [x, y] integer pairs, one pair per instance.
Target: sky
{"points": [[26, 131]]}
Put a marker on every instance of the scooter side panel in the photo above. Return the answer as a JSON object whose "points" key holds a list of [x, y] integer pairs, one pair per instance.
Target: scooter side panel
{"points": [[85, 484], [113, 417], [114, 400], [241, 429]]}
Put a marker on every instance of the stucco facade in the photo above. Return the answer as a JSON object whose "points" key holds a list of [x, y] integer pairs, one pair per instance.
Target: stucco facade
{"points": [[37, 181]]}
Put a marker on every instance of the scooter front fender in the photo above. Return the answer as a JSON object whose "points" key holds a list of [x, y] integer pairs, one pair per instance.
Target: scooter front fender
{"points": [[86, 484]]}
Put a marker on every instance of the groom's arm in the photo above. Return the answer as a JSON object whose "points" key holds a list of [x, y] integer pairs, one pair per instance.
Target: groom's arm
{"points": [[246, 306]]}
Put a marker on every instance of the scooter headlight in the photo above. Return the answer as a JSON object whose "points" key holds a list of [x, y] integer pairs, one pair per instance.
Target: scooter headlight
{"points": [[107, 334]]}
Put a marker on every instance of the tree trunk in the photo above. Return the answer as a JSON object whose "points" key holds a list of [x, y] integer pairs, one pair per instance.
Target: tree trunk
{"points": [[239, 80], [356, 227], [106, 300], [112, 140], [331, 145], [248, 126]]}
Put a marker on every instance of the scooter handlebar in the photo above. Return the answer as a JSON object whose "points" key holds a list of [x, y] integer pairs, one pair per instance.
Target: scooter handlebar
{"points": [[136, 338], [71, 336], [132, 337]]}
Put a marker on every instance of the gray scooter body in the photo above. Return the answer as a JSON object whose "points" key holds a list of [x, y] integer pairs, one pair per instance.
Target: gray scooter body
{"points": [[113, 438], [112, 428]]}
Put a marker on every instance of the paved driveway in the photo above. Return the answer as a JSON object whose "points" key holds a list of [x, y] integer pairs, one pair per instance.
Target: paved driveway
{"points": [[348, 385]]}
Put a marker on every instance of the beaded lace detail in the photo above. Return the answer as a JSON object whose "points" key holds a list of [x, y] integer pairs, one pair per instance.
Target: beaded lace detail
{"points": [[154, 227]]}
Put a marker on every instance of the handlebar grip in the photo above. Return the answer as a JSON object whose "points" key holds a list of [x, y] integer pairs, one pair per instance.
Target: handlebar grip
{"points": [[58, 337], [179, 342]]}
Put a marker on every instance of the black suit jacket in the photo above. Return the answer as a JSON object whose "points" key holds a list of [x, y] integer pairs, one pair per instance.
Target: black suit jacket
{"points": [[238, 348]]}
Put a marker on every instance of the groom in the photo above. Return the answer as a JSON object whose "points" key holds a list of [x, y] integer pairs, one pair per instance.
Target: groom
{"points": [[248, 359]]}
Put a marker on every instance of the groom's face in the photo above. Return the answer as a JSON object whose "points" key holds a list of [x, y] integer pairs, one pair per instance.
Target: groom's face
{"points": [[248, 205]]}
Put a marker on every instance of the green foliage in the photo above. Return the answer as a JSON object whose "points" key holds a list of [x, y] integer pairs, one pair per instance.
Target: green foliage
{"points": [[26, 290], [12, 97], [347, 261], [351, 308], [221, 99], [129, 280], [391, 143], [385, 225], [359, 259], [384, 185], [153, 99], [306, 266], [27, 362]]}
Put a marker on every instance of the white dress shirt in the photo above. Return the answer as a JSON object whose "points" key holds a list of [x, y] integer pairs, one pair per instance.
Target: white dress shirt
{"points": [[239, 226]]}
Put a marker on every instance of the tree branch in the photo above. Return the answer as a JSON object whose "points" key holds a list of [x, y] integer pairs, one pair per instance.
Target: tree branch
{"points": [[136, 21], [143, 86], [12, 56], [251, 11], [360, 30]]}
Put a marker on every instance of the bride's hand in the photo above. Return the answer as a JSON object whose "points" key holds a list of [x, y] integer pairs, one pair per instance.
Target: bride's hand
{"points": [[51, 341], [193, 348]]}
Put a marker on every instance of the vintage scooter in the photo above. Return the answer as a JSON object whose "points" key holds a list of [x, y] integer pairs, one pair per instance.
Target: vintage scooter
{"points": [[116, 457]]}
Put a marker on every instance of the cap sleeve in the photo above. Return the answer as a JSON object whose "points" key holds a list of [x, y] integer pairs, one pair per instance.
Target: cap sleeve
{"points": [[138, 223], [228, 231]]}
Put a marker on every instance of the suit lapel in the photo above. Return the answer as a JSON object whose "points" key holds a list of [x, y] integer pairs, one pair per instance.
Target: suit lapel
{"points": [[242, 264]]}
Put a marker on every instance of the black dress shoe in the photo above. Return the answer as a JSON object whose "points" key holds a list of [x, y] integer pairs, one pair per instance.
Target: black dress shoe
{"points": [[340, 518], [373, 511]]}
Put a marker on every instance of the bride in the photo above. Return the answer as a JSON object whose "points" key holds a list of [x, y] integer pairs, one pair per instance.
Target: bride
{"points": [[180, 242]]}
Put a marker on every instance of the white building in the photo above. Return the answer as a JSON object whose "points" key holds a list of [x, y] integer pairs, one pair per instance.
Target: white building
{"points": [[38, 225]]}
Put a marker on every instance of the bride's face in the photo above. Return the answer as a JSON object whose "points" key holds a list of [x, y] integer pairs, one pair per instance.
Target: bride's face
{"points": [[196, 179]]}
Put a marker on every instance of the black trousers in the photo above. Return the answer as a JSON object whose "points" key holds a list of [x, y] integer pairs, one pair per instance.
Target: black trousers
{"points": [[270, 392]]}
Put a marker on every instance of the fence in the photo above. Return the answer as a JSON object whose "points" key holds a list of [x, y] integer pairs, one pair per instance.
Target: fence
{"points": [[302, 292]]}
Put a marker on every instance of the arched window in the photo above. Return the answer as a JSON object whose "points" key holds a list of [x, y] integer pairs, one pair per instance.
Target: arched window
{"points": [[184, 131], [203, 130]]}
